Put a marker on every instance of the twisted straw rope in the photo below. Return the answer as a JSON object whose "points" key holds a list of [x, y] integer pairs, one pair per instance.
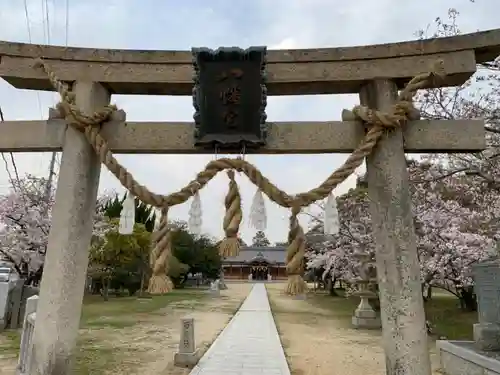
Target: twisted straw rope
{"points": [[378, 121], [295, 255], [160, 283], [230, 246]]}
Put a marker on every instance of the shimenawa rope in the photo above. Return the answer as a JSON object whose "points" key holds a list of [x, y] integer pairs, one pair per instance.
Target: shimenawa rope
{"points": [[379, 123], [230, 246]]}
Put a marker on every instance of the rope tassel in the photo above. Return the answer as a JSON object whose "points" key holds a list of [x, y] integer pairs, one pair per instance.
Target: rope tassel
{"points": [[295, 256], [258, 214], [331, 225], [230, 246], [160, 283], [195, 215]]}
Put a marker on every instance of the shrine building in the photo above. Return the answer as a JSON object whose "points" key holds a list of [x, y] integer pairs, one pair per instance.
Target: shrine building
{"points": [[258, 261]]}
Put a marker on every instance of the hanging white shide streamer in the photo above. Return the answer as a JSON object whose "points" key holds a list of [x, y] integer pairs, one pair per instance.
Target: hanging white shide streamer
{"points": [[157, 222], [195, 215], [258, 215], [127, 216], [331, 223]]}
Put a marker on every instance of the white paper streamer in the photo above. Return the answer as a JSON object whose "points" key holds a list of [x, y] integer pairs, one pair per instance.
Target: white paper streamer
{"points": [[127, 216], [195, 215], [157, 221], [331, 225], [258, 215]]}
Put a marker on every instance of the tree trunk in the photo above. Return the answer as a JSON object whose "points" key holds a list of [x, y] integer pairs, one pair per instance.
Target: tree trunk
{"points": [[105, 288], [426, 292], [467, 298], [141, 290], [331, 287]]}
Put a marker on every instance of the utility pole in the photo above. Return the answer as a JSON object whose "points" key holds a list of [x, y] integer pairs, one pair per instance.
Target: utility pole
{"points": [[48, 186]]}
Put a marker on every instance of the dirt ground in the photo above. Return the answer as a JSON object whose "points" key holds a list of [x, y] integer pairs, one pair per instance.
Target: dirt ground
{"points": [[315, 339], [147, 348]]}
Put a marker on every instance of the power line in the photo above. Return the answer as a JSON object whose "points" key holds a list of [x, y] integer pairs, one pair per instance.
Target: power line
{"points": [[39, 101], [67, 23], [2, 119], [6, 164], [48, 20], [26, 13], [52, 165], [14, 166], [11, 180], [55, 161], [44, 21], [28, 25]]}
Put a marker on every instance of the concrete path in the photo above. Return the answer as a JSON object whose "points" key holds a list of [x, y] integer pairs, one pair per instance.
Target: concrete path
{"points": [[249, 345]]}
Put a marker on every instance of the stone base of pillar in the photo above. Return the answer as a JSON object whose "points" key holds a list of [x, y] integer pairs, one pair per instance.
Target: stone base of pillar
{"points": [[365, 317], [186, 359], [463, 357], [366, 323], [487, 336]]}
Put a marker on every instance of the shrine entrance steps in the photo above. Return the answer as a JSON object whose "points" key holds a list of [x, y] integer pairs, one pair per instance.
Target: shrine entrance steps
{"points": [[249, 344]]}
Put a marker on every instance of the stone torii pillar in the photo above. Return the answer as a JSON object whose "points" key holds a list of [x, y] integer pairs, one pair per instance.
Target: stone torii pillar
{"points": [[398, 270], [66, 261]]}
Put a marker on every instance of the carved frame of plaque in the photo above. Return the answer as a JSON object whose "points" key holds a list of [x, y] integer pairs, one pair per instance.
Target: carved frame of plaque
{"points": [[243, 125]]}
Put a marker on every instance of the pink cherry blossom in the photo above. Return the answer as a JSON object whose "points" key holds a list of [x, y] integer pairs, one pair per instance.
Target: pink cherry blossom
{"points": [[454, 228], [25, 217]]}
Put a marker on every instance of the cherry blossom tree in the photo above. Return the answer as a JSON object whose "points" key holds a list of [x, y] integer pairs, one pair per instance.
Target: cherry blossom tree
{"points": [[454, 230], [474, 178], [25, 217], [455, 226], [333, 253], [477, 98], [331, 257], [25, 213], [455, 196]]}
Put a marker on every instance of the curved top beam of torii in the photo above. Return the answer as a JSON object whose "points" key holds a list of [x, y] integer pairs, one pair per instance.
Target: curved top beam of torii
{"points": [[290, 72]]}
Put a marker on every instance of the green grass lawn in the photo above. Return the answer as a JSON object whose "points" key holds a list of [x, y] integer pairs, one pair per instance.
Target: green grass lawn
{"points": [[443, 311], [447, 319], [117, 313], [120, 312]]}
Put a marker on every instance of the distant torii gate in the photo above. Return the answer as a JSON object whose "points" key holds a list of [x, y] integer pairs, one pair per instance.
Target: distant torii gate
{"points": [[376, 72]]}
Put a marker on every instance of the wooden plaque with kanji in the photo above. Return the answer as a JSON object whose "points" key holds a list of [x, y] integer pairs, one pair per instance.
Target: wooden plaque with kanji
{"points": [[229, 97]]}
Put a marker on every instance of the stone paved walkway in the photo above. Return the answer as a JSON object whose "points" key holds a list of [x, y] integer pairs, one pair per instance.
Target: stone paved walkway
{"points": [[249, 345]]}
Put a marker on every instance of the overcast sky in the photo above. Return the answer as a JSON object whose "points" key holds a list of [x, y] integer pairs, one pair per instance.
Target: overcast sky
{"points": [[168, 24]]}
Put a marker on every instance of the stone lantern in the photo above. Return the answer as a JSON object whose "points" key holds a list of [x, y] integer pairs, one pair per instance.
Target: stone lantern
{"points": [[364, 315]]}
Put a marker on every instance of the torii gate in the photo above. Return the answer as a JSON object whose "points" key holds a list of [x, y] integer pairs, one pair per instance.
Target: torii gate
{"points": [[375, 72]]}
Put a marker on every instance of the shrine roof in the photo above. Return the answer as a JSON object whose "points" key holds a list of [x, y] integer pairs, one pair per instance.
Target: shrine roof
{"points": [[271, 254]]}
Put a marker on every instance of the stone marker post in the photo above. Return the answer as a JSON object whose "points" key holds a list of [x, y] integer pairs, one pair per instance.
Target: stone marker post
{"points": [[214, 288], [187, 355], [487, 289], [65, 270], [398, 272], [26, 346], [4, 304], [17, 302], [222, 281]]}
